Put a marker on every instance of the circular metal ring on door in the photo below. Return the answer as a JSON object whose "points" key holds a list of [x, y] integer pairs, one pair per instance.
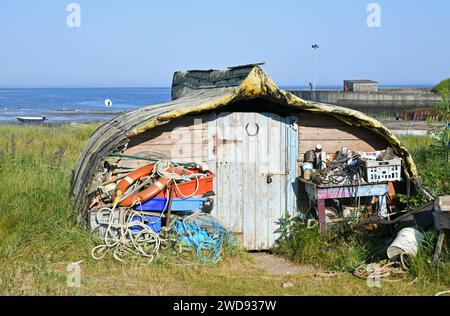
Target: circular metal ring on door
{"points": [[252, 134]]}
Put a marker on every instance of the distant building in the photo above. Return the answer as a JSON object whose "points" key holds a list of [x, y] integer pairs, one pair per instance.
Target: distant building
{"points": [[360, 86]]}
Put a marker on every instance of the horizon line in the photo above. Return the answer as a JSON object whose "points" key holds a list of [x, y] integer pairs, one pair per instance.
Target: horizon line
{"points": [[169, 87]]}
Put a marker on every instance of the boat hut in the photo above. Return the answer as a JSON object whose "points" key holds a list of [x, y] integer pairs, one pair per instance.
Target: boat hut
{"points": [[240, 125]]}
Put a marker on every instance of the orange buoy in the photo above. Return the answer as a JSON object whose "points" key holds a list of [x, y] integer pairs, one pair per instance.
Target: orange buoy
{"points": [[123, 185], [149, 193]]}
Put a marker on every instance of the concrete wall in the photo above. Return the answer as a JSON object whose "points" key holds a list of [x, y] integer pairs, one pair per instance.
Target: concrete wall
{"points": [[387, 101]]}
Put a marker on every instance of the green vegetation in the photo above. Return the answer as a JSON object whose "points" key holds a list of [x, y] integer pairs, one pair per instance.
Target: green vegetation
{"points": [[443, 87], [39, 238], [443, 135], [309, 247], [348, 249], [434, 170]]}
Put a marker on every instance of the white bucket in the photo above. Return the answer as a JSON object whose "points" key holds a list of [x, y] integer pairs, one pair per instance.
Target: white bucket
{"points": [[307, 166], [307, 170], [408, 241]]}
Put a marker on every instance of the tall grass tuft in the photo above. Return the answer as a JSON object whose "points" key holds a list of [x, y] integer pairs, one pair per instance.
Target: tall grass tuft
{"points": [[36, 216], [333, 251], [422, 266], [434, 171]]}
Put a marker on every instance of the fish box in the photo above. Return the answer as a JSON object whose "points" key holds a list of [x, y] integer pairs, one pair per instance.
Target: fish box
{"points": [[383, 171], [152, 222], [178, 205], [99, 222], [203, 186]]}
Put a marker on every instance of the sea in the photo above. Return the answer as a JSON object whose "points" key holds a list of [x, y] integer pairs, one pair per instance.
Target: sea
{"points": [[77, 105]]}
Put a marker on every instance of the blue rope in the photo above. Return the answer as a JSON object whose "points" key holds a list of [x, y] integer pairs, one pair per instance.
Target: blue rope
{"points": [[205, 234]]}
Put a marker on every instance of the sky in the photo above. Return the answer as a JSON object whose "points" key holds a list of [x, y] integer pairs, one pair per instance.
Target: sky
{"points": [[140, 43]]}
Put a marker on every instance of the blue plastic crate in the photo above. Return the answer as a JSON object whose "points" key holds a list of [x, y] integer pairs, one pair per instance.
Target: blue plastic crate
{"points": [[153, 222], [178, 205]]}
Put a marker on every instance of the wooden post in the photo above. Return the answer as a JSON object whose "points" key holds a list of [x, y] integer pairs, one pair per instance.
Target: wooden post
{"points": [[169, 208], [438, 249], [408, 194], [322, 215]]}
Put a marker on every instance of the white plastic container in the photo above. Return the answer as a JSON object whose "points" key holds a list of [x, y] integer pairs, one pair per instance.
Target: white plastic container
{"points": [[307, 170], [307, 166], [383, 171], [408, 242]]}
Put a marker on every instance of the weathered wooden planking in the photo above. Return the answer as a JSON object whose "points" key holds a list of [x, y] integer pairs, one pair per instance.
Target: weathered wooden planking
{"points": [[132, 164], [332, 146], [277, 196], [264, 192], [313, 119], [173, 151], [249, 188], [292, 164], [183, 140], [246, 203], [172, 138], [333, 134], [442, 220], [442, 203], [345, 132]]}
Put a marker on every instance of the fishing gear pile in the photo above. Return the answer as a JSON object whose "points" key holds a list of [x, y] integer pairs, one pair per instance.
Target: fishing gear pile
{"points": [[346, 167], [144, 210]]}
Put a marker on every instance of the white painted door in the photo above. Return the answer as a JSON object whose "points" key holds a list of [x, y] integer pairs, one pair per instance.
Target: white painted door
{"points": [[254, 157]]}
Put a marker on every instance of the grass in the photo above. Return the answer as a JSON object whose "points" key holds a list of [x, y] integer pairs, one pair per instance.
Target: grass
{"points": [[434, 171], [39, 238]]}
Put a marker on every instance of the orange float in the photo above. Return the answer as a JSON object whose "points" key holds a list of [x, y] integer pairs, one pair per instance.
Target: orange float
{"points": [[157, 187]]}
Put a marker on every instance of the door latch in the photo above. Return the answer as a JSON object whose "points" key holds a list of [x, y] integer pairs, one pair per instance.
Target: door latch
{"points": [[269, 175]]}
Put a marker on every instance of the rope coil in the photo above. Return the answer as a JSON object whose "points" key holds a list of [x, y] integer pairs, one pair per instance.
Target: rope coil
{"points": [[131, 235], [202, 232]]}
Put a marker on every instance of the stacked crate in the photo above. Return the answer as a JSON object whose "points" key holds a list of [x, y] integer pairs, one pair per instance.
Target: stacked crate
{"points": [[442, 223], [442, 213], [383, 171]]}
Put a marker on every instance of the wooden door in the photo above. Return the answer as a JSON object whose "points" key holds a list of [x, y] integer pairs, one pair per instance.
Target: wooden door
{"points": [[254, 156]]}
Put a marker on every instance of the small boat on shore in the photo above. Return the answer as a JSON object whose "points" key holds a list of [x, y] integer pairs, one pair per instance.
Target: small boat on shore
{"points": [[31, 119]]}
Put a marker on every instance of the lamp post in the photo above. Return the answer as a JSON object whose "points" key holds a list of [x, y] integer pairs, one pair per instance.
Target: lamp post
{"points": [[315, 47]]}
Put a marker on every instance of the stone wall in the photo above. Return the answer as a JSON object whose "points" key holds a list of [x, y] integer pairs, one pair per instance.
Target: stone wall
{"points": [[386, 101]]}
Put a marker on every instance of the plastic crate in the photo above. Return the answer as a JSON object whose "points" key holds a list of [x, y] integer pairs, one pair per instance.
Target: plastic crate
{"points": [[99, 222], [205, 185], [153, 222], [178, 205], [383, 171]]}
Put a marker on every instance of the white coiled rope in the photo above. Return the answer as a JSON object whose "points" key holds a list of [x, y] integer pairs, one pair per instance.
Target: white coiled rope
{"points": [[120, 237], [161, 168]]}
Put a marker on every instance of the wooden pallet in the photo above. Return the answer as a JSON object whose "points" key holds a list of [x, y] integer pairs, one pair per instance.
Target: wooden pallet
{"points": [[421, 114]]}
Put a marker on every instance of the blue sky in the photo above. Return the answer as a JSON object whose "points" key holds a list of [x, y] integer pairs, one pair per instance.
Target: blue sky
{"points": [[142, 42]]}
